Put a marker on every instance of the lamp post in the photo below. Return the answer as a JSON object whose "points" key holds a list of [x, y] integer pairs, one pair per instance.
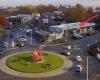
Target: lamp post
{"points": [[87, 70], [88, 45]]}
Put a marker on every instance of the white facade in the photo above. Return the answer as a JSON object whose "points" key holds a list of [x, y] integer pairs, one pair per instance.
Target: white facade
{"points": [[69, 26]]}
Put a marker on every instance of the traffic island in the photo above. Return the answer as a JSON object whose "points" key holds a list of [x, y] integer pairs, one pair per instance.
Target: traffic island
{"points": [[24, 63], [21, 65]]}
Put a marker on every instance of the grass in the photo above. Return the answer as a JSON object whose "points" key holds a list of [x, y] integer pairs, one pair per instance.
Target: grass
{"points": [[34, 67]]}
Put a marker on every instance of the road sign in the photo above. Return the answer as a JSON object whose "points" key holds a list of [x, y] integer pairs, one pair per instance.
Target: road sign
{"points": [[45, 21]]}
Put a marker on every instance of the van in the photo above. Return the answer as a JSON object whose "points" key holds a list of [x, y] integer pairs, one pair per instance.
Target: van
{"points": [[78, 68]]}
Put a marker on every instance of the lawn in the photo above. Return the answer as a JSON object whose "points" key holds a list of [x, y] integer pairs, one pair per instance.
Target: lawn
{"points": [[23, 64]]}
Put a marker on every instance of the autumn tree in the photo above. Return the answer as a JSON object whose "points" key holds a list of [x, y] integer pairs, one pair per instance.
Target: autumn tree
{"points": [[3, 22], [78, 13], [51, 8], [41, 9], [27, 9]]}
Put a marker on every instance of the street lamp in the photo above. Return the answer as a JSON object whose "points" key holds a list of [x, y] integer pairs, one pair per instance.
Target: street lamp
{"points": [[88, 45], [87, 69]]}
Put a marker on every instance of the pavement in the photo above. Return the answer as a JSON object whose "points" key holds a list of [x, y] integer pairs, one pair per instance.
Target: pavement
{"points": [[66, 66]]}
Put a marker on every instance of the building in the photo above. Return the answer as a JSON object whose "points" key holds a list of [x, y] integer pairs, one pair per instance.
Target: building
{"points": [[96, 9], [25, 17], [9, 9], [20, 18], [75, 28]]}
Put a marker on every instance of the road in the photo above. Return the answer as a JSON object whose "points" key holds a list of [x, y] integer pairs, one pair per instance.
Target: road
{"points": [[71, 75]]}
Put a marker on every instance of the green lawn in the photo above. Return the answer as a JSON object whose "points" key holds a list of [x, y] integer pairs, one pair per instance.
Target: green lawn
{"points": [[34, 67]]}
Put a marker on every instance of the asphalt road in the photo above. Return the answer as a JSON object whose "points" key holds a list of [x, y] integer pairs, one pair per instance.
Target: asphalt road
{"points": [[71, 75]]}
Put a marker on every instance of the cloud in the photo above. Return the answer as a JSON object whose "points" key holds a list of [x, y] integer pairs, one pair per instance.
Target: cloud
{"points": [[54, 2]]}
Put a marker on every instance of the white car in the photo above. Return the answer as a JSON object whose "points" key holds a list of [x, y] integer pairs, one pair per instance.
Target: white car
{"points": [[29, 30], [98, 56], [22, 39], [78, 68], [78, 58], [68, 53], [77, 36], [20, 29]]}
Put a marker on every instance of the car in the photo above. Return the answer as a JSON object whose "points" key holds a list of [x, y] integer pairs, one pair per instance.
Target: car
{"points": [[68, 53], [62, 53], [2, 51], [91, 33], [61, 41], [78, 68], [20, 29], [78, 58], [69, 47], [98, 56], [11, 35], [20, 44], [77, 36], [22, 39]]}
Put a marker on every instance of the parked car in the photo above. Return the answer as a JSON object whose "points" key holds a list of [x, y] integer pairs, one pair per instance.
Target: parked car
{"points": [[22, 39], [91, 33], [78, 58], [78, 68]]}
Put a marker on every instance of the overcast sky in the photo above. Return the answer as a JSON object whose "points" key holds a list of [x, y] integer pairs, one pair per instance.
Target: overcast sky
{"points": [[54, 2]]}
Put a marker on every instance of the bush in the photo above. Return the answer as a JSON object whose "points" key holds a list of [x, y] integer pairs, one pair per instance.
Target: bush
{"points": [[93, 49]]}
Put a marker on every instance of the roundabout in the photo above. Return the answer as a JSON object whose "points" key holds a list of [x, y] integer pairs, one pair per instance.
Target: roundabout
{"points": [[22, 62], [20, 65]]}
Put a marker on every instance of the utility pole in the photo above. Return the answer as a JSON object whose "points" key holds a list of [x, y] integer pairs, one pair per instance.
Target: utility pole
{"points": [[87, 70]]}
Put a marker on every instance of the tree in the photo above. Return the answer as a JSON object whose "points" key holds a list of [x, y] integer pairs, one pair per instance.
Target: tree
{"points": [[78, 13], [41, 9], [3, 22], [51, 8], [27, 9]]}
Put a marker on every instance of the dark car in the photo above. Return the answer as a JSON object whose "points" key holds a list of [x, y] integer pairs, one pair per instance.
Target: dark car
{"points": [[91, 33], [2, 51], [20, 44]]}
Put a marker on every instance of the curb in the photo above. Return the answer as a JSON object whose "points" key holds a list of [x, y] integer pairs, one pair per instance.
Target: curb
{"points": [[67, 64]]}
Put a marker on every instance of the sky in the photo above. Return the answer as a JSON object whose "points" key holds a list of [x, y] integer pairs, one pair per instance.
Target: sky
{"points": [[46, 2]]}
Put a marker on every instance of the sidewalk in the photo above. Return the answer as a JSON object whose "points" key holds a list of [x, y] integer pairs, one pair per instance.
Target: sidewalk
{"points": [[66, 66]]}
